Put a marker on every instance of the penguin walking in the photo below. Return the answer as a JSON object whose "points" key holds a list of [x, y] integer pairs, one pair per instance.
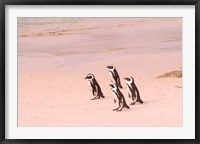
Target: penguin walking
{"points": [[95, 88], [114, 75], [118, 96], [133, 90]]}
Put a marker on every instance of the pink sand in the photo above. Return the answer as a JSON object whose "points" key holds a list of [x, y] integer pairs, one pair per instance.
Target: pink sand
{"points": [[52, 90]]}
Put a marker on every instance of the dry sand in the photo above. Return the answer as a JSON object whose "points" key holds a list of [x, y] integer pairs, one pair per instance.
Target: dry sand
{"points": [[52, 90]]}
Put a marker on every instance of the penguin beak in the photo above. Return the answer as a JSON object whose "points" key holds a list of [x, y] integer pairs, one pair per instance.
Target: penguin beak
{"points": [[126, 78], [107, 67], [86, 77], [111, 86]]}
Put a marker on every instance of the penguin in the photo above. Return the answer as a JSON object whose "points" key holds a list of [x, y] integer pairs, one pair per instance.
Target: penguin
{"points": [[133, 90], [96, 89], [114, 75], [118, 96]]}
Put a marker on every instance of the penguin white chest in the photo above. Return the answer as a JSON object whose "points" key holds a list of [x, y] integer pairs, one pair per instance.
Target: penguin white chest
{"points": [[128, 85], [128, 90], [115, 97], [111, 76], [90, 85]]}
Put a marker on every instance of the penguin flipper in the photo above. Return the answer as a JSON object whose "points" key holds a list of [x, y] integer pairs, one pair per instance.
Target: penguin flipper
{"points": [[118, 82], [93, 91], [129, 95], [120, 86], [115, 101]]}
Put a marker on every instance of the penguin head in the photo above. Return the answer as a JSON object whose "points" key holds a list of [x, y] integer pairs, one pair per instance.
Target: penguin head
{"points": [[111, 67], [89, 76], [129, 79], [113, 86]]}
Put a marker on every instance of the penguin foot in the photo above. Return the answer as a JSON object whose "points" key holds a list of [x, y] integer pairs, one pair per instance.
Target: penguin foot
{"points": [[103, 96], [93, 98], [115, 109], [119, 110], [132, 103]]}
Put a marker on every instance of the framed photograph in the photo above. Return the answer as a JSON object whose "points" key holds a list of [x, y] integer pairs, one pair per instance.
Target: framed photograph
{"points": [[100, 72]]}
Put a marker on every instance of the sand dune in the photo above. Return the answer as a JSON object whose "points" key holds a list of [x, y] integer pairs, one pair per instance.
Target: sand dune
{"points": [[172, 74]]}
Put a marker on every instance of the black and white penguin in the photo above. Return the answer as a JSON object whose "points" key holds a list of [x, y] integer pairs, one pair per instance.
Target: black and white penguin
{"points": [[133, 90], [118, 97], [114, 75], [95, 88]]}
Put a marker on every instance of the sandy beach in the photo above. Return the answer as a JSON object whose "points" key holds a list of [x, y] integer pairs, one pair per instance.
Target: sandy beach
{"points": [[53, 62]]}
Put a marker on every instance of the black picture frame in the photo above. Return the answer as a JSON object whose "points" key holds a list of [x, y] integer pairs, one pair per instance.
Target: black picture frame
{"points": [[4, 3]]}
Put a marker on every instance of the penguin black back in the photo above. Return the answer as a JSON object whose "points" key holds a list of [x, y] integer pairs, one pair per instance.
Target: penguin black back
{"points": [[121, 100], [115, 75], [96, 89], [134, 92]]}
